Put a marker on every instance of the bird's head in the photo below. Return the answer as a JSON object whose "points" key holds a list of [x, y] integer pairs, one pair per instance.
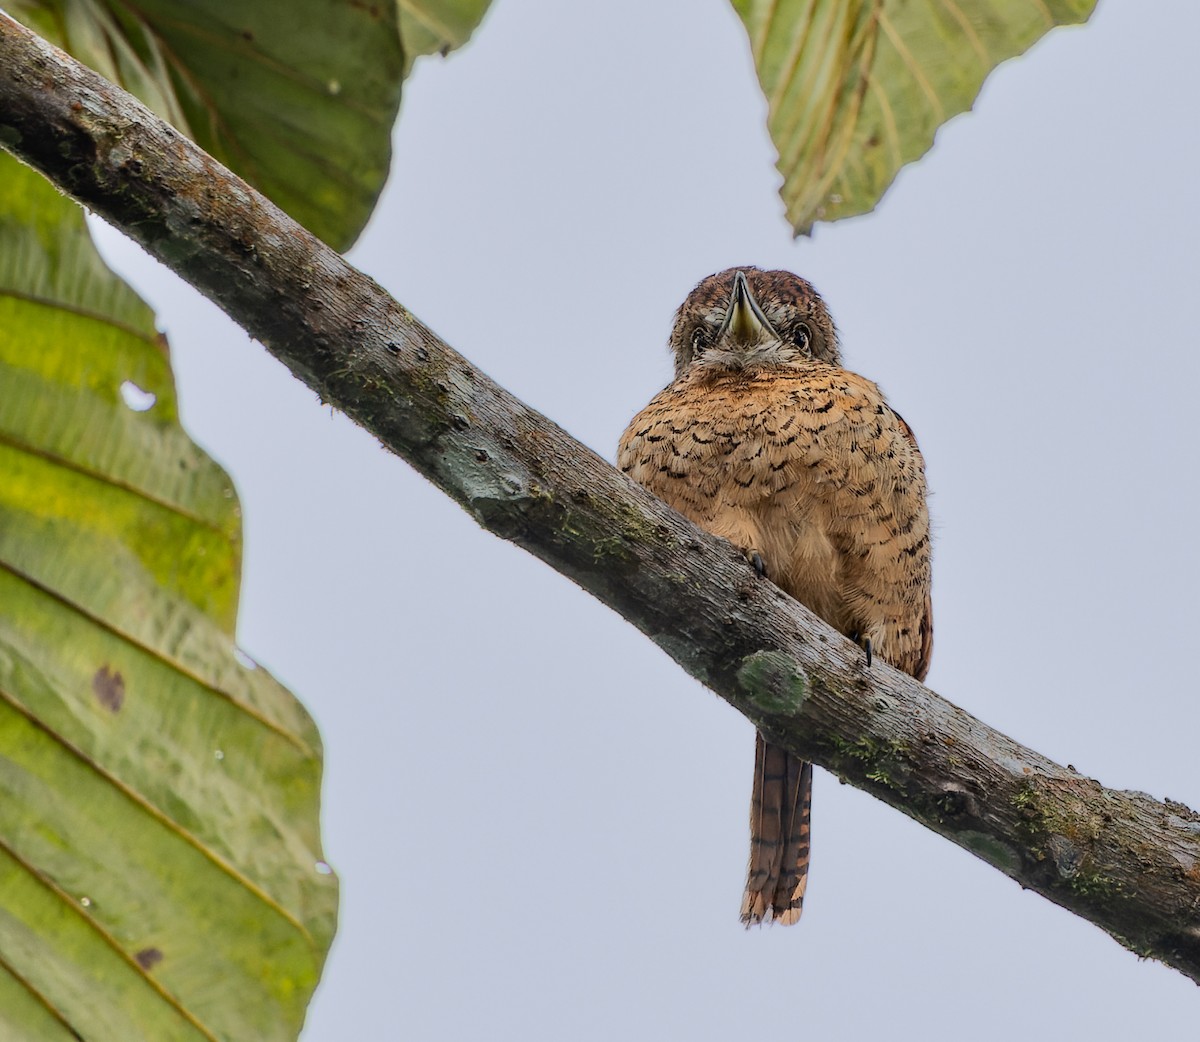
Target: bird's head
{"points": [[746, 318]]}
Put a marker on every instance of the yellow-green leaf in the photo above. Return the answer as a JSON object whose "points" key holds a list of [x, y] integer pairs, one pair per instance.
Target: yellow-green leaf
{"points": [[161, 874], [437, 26], [858, 88], [298, 97]]}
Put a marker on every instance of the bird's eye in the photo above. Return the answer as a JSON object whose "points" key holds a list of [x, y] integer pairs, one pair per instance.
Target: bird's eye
{"points": [[699, 338], [803, 335]]}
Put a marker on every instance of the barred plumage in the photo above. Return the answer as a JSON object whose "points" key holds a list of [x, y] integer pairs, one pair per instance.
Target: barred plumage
{"points": [[764, 439]]}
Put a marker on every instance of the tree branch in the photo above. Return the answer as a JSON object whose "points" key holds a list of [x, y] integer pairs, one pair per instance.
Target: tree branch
{"points": [[1126, 862]]}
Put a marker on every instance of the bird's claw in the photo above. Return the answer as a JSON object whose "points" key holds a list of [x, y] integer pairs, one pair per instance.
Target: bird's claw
{"points": [[864, 643], [757, 561]]}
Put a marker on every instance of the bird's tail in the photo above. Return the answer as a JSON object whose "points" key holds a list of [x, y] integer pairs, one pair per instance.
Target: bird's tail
{"points": [[780, 808]]}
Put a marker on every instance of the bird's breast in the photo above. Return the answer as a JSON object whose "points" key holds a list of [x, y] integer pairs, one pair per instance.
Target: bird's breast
{"points": [[807, 466], [739, 441]]}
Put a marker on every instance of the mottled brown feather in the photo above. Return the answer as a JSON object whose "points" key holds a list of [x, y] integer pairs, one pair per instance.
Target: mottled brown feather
{"points": [[792, 457], [780, 809]]}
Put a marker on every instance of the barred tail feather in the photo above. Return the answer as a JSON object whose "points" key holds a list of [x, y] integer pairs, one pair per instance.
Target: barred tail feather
{"points": [[780, 811]]}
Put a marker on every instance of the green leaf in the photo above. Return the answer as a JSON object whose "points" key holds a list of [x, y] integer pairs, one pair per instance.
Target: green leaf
{"points": [[298, 98], [858, 88], [160, 863], [437, 26]]}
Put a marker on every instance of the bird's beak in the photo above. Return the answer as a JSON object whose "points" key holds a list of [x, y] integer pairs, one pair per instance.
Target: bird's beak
{"points": [[744, 319]]}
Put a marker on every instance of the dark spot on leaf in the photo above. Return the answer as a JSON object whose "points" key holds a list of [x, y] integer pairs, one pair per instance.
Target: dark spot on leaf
{"points": [[148, 958], [109, 688]]}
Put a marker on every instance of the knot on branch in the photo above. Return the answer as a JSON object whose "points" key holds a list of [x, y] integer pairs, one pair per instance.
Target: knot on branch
{"points": [[955, 801], [773, 682], [1067, 857]]}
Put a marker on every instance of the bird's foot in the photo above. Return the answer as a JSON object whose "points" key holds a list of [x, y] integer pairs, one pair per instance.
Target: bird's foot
{"points": [[758, 563], [865, 644]]}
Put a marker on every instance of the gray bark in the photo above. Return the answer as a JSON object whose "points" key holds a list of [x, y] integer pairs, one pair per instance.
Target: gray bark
{"points": [[1126, 862]]}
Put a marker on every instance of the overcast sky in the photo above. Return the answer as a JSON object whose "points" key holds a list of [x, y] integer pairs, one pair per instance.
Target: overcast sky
{"points": [[538, 820]]}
